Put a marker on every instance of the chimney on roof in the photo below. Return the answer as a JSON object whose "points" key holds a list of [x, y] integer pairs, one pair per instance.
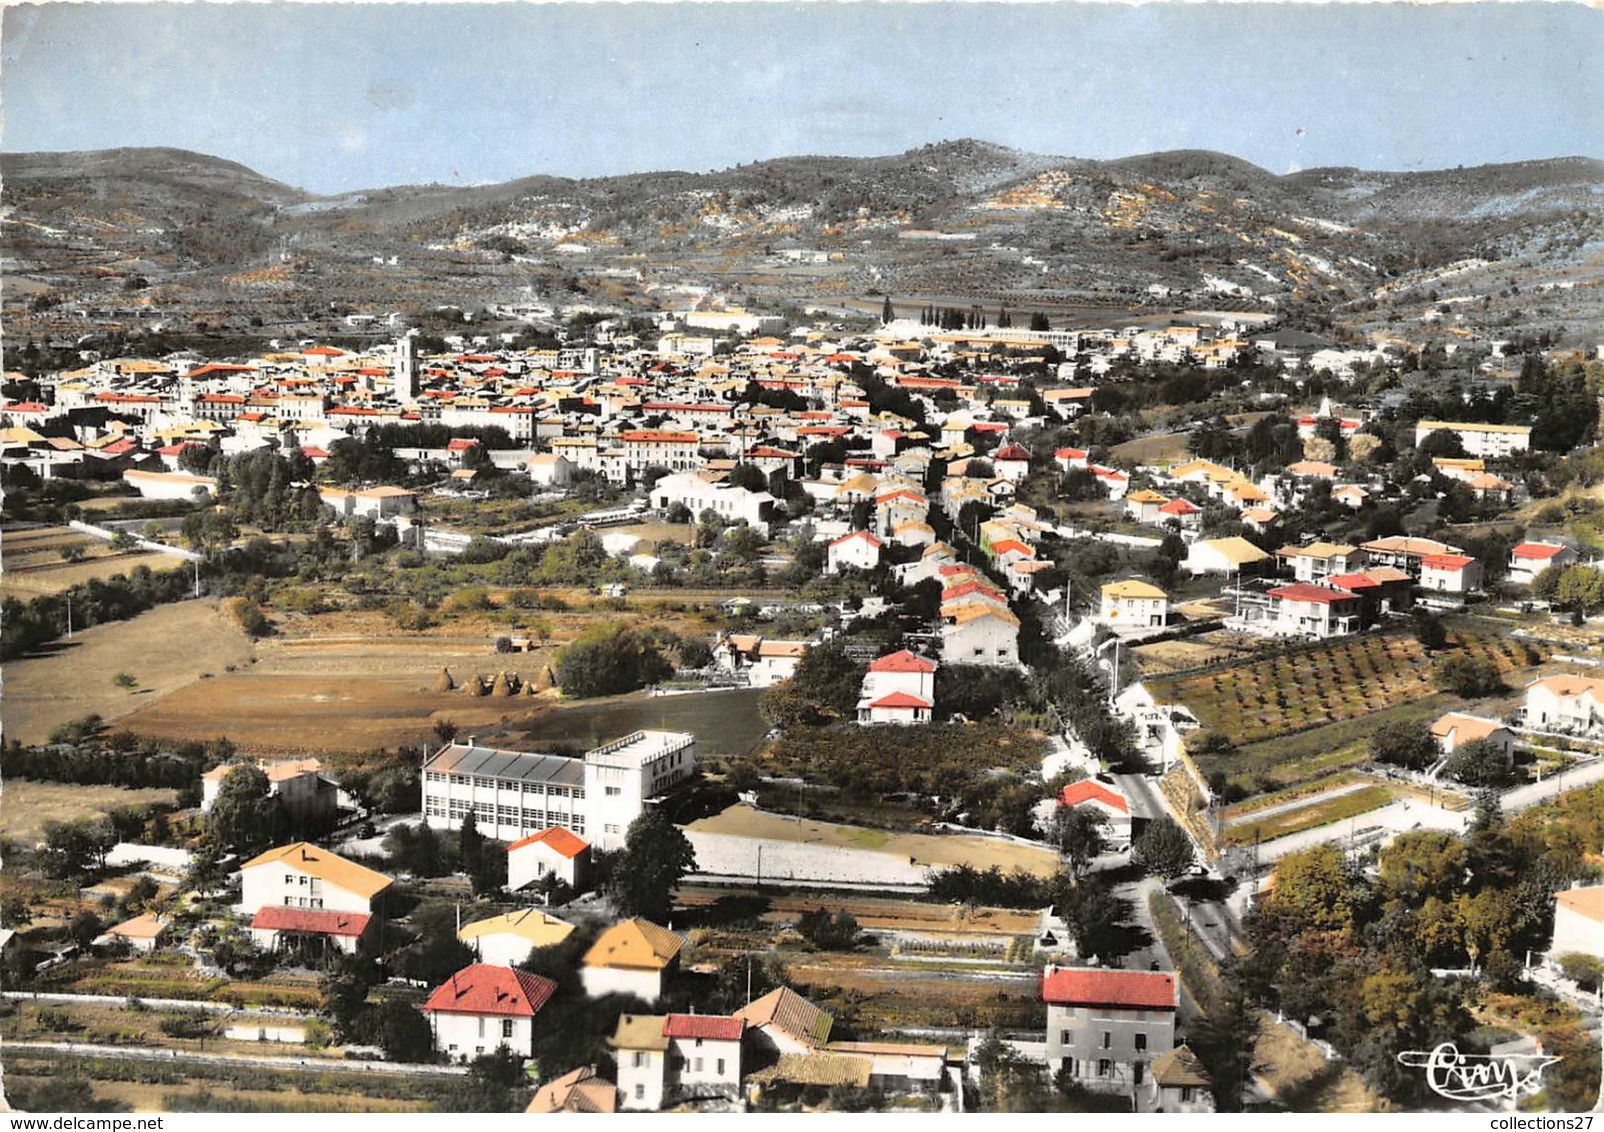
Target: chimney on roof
{"points": [[472, 739]]}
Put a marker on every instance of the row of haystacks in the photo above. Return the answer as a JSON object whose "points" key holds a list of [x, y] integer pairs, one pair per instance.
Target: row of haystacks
{"points": [[501, 686]]}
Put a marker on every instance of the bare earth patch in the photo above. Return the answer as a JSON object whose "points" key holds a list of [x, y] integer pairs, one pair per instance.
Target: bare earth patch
{"points": [[922, 848]]}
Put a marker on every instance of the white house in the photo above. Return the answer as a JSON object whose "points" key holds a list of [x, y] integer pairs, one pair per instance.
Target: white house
{"points": [[677, 1059], [553, 852], [979, 634], [1104, 799], [507, 940], [703, 491], [1313, 612], [1565, 703], [310, 799], [858, 551], [485, 1007], [630, 958], [550, 469], [761, 661], [300, 890], [1579, 922], [1450, 573], [1222, 555], [141, 934], [1012, 462], [1529, 559], [1455, 729], [1133, 606], [1105, 1026], [898, 688]]}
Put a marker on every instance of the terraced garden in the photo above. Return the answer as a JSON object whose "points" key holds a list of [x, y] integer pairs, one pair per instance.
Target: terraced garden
{"points": [[1344, 679]]}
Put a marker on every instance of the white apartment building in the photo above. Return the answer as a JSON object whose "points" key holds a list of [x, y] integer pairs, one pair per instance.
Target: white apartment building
{"points": [[698, 493], [514, 794], [1480, 439]]}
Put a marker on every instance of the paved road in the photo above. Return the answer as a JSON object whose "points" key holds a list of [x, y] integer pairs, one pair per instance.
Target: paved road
{"points": [[1584, 774], [293, 1064]]}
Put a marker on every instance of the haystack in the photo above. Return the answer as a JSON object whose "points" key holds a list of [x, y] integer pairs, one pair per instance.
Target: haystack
{"points": [[444, 682], [545, 678], [475, 685], [499, 687]]}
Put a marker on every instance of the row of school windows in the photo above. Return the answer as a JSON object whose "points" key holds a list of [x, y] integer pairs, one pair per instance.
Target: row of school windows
{"points": [[497, 784]]}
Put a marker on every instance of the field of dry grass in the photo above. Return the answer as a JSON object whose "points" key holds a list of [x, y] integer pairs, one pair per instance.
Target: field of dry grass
{"points": [[34, 566], [164, 649], [25, 806]]}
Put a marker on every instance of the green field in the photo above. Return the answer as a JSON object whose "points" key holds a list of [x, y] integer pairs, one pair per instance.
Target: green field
{"points": [[1309, 817]]}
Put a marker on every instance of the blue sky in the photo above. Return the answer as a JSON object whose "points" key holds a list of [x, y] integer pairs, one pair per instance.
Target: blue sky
{"points": [[334, 97]]}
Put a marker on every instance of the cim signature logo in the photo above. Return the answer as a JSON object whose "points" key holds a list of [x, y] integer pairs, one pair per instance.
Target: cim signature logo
{"points": [[1479, 1076]]}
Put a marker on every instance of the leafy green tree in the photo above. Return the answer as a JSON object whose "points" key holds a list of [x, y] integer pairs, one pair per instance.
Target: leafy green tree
{"points": [[1472, 677], [829, 931], [606, 661], [1163, 849], [1081, 834], [823, 688], [1404, 743], [656, 856], [1221, 1040], [245, 817], [403, 1032], [1480, 763]]}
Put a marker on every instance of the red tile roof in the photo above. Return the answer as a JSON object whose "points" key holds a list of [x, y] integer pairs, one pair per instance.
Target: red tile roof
{"points": [[709, 1027], [1446, 561], [903, 661], [1320, 595], [276, 918], [485, 989], [1013, 452], [1088, 790], [872, 541], [900, 700], [1534, 550], [1132, 990], [558, 838]]}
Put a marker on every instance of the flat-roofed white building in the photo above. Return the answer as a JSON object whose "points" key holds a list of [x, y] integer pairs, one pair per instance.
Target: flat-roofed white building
{"points": [[1480, 439], [514, 794]]}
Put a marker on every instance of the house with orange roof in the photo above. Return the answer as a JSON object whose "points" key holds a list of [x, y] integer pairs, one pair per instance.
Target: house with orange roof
{"points": [[302, 890], [309, 799], [1106, 800], [1454, 729], [631, 957], [677, 1059], [979, 634], [142, 933], [1578, 922], [579, 1090], [1572, 704], [553, 852], [1529, 559]]}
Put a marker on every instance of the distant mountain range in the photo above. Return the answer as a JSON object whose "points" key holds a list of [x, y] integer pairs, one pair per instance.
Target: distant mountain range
{"points": [[174, 234]]}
